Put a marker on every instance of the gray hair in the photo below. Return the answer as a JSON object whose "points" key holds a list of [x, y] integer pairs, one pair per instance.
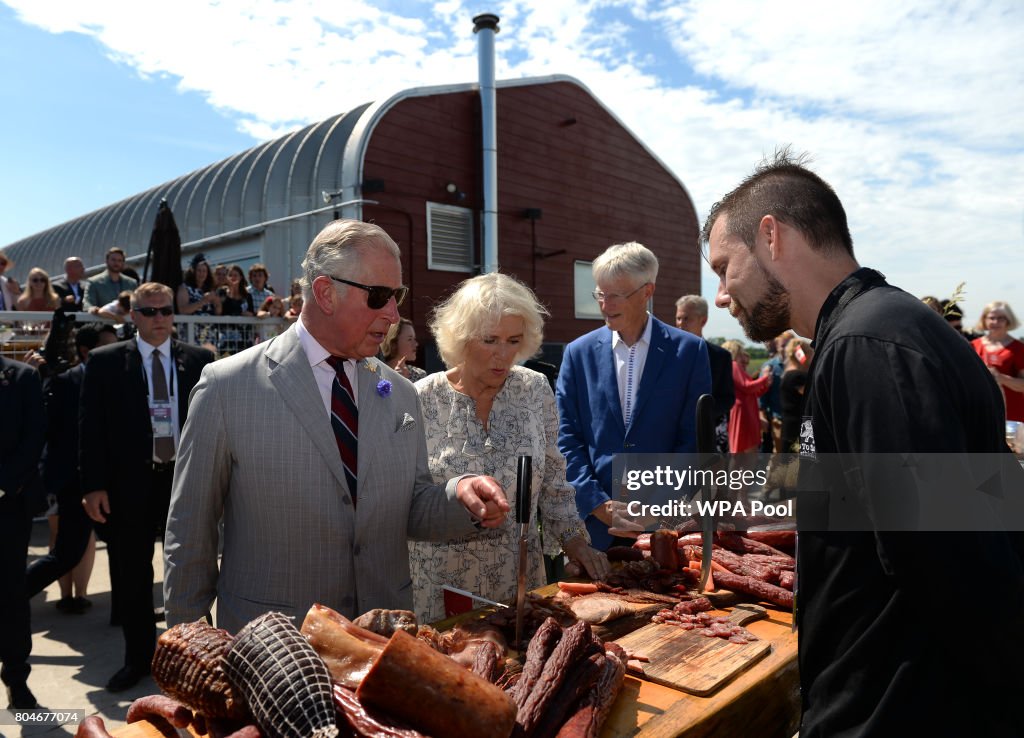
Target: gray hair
{"points": [[626, 259], [476, 307], [694, 301], [338, 248]]}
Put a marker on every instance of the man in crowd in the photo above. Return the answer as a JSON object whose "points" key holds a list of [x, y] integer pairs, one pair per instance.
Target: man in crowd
{"points": [[888, 377], [258, 287], [692, 316], [72, 292], [106, 286], [631, 385], [134, 403], [62, 394], [10, 290], [319, 508], [21, 442]]}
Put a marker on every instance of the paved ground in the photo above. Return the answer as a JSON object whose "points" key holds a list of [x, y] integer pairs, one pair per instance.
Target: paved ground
{"points": [[73, 656]]}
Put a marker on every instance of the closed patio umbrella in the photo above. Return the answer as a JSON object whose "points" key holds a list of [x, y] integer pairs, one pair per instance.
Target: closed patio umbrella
{"points": [[164, 249]]}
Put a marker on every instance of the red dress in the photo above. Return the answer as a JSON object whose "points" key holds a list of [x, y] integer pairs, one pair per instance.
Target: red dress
{"points": [[744, 420], [1006, 360]]}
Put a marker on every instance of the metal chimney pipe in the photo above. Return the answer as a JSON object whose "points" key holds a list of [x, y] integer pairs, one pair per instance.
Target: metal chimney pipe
{"points": [[486, 26]]}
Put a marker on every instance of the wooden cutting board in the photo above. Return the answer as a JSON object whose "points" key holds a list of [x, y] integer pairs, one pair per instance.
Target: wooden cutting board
{"points": [[691, 662]]}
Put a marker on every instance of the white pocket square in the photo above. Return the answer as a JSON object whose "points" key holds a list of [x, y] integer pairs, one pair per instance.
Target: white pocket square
{"points": [[408, 422]]}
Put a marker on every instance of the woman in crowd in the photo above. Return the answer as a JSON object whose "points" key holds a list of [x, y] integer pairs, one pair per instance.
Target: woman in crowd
{"points": [[797, 354], [196, 295], [38, 293], [744, 419], [234, 297], [479, 416], [399, 349], [1003, 354]]}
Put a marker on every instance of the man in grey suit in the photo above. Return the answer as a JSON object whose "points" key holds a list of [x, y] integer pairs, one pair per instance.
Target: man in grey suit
{"points": [[262, 449], [107, 285]]}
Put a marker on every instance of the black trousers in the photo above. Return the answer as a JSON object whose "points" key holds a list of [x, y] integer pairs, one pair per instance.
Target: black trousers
{"points": [[137, 517], [15, 622], [73, 530]]}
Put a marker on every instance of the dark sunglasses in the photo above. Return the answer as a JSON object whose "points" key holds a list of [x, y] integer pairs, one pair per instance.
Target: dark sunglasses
{"points": [[149, 312], [377, 297]]}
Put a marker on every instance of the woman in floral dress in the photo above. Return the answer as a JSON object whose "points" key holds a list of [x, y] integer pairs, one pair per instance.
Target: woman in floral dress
{"points": [[479, 416]]}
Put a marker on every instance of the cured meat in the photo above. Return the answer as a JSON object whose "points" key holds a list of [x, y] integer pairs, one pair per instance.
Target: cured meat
{"points": [[595, 706], [706, 624], [487, 662], [598, 608], [386, 622], [160, 707], [537, 653], [282, 679], [347, 650], [188, 665], [787, 580], [92, 727], [624, 553], [781, 539], [464, 642], [756, 587], [573, 645], [363, 722], [664, 549], [433, 694]]}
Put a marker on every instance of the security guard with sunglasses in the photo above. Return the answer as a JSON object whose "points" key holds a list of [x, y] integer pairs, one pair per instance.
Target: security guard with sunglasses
{"points": [[134, 403]]}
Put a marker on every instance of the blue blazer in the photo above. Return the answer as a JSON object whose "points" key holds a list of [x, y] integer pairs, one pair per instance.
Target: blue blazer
{"points": [[591, 428]]}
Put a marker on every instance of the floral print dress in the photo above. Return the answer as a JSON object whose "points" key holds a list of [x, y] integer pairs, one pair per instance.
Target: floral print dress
{"points": [[523, 421]]}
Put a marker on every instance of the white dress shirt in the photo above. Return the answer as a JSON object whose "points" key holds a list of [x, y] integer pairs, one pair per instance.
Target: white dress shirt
{"points": [[323, 372], [167, 361], [622, 353]]}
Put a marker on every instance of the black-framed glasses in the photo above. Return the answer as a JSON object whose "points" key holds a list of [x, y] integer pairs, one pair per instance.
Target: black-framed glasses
{"points": [[150, 312], [377, 296], [606, 296]]}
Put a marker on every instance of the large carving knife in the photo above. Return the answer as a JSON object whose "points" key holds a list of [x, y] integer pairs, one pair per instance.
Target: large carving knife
{"points": [[706, 452], [524, 485]]}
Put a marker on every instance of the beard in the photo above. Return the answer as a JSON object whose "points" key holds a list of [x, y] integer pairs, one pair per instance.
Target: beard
{"points": [[769, 317]]}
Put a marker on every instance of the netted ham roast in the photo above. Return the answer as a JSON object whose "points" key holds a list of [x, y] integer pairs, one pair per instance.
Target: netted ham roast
{"points": [[188, 665], [282, 679]]}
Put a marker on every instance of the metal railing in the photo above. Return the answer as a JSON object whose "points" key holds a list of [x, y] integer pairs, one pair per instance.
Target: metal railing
{"points": [[23, 331]]}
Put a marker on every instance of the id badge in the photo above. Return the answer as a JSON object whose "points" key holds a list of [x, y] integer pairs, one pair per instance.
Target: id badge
{"points": [[160, 414]]}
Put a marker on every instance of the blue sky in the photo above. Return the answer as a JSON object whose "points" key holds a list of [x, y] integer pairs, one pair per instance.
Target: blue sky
{"points": [[913, 111]]}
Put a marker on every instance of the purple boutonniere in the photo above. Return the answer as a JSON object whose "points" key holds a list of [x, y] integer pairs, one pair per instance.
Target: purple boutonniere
{"points": [[383, 388]]}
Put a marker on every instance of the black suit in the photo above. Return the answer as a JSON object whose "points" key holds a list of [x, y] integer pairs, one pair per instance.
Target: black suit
{"points": [[63, 290], [60, 477], [21, 442], [116, 455]]}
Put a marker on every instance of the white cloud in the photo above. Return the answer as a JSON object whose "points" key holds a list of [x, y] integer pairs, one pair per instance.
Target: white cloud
{"points": [[912, 110]]}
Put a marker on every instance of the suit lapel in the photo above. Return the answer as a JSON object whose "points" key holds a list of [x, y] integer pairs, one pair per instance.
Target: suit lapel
{"points": [[178, 362], [652, 366], [607, 381], [291, 375], [137, 390]]}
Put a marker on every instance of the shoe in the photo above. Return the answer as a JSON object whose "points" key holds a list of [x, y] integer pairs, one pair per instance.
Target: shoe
{"points": [[66, 605], [20, 697], [126, 678], [80, 605]]}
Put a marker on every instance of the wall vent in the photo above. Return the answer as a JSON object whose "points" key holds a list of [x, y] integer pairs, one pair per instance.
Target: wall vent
{"points": [[449, 238]]}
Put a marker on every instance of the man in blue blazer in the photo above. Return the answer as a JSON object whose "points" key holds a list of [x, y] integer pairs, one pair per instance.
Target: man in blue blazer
{"points": [[628, 387]]}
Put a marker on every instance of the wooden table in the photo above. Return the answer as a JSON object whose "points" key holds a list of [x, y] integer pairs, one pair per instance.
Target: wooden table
{"points": [[762, 701]]}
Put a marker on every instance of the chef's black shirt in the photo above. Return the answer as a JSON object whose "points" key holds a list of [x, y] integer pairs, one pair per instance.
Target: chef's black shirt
{"points": [[904, 633]]}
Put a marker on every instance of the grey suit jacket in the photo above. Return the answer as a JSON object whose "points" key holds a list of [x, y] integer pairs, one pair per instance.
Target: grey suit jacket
{"points": [[258, 449]]}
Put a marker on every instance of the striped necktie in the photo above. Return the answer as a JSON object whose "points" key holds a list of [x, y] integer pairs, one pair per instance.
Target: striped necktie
{"points": [[629, 383], [345, 422]]}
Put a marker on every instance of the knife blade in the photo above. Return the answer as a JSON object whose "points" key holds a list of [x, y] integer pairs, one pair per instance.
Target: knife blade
{"points": [[524, 487], [706, 450]]}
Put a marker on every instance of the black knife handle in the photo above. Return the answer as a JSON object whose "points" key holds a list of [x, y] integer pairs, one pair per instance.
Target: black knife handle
{"points": [[705, 424], [524, 488]]}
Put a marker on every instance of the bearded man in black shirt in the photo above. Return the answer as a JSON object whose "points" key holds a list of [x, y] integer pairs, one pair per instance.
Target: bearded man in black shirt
{"points": [[891, 641]]}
